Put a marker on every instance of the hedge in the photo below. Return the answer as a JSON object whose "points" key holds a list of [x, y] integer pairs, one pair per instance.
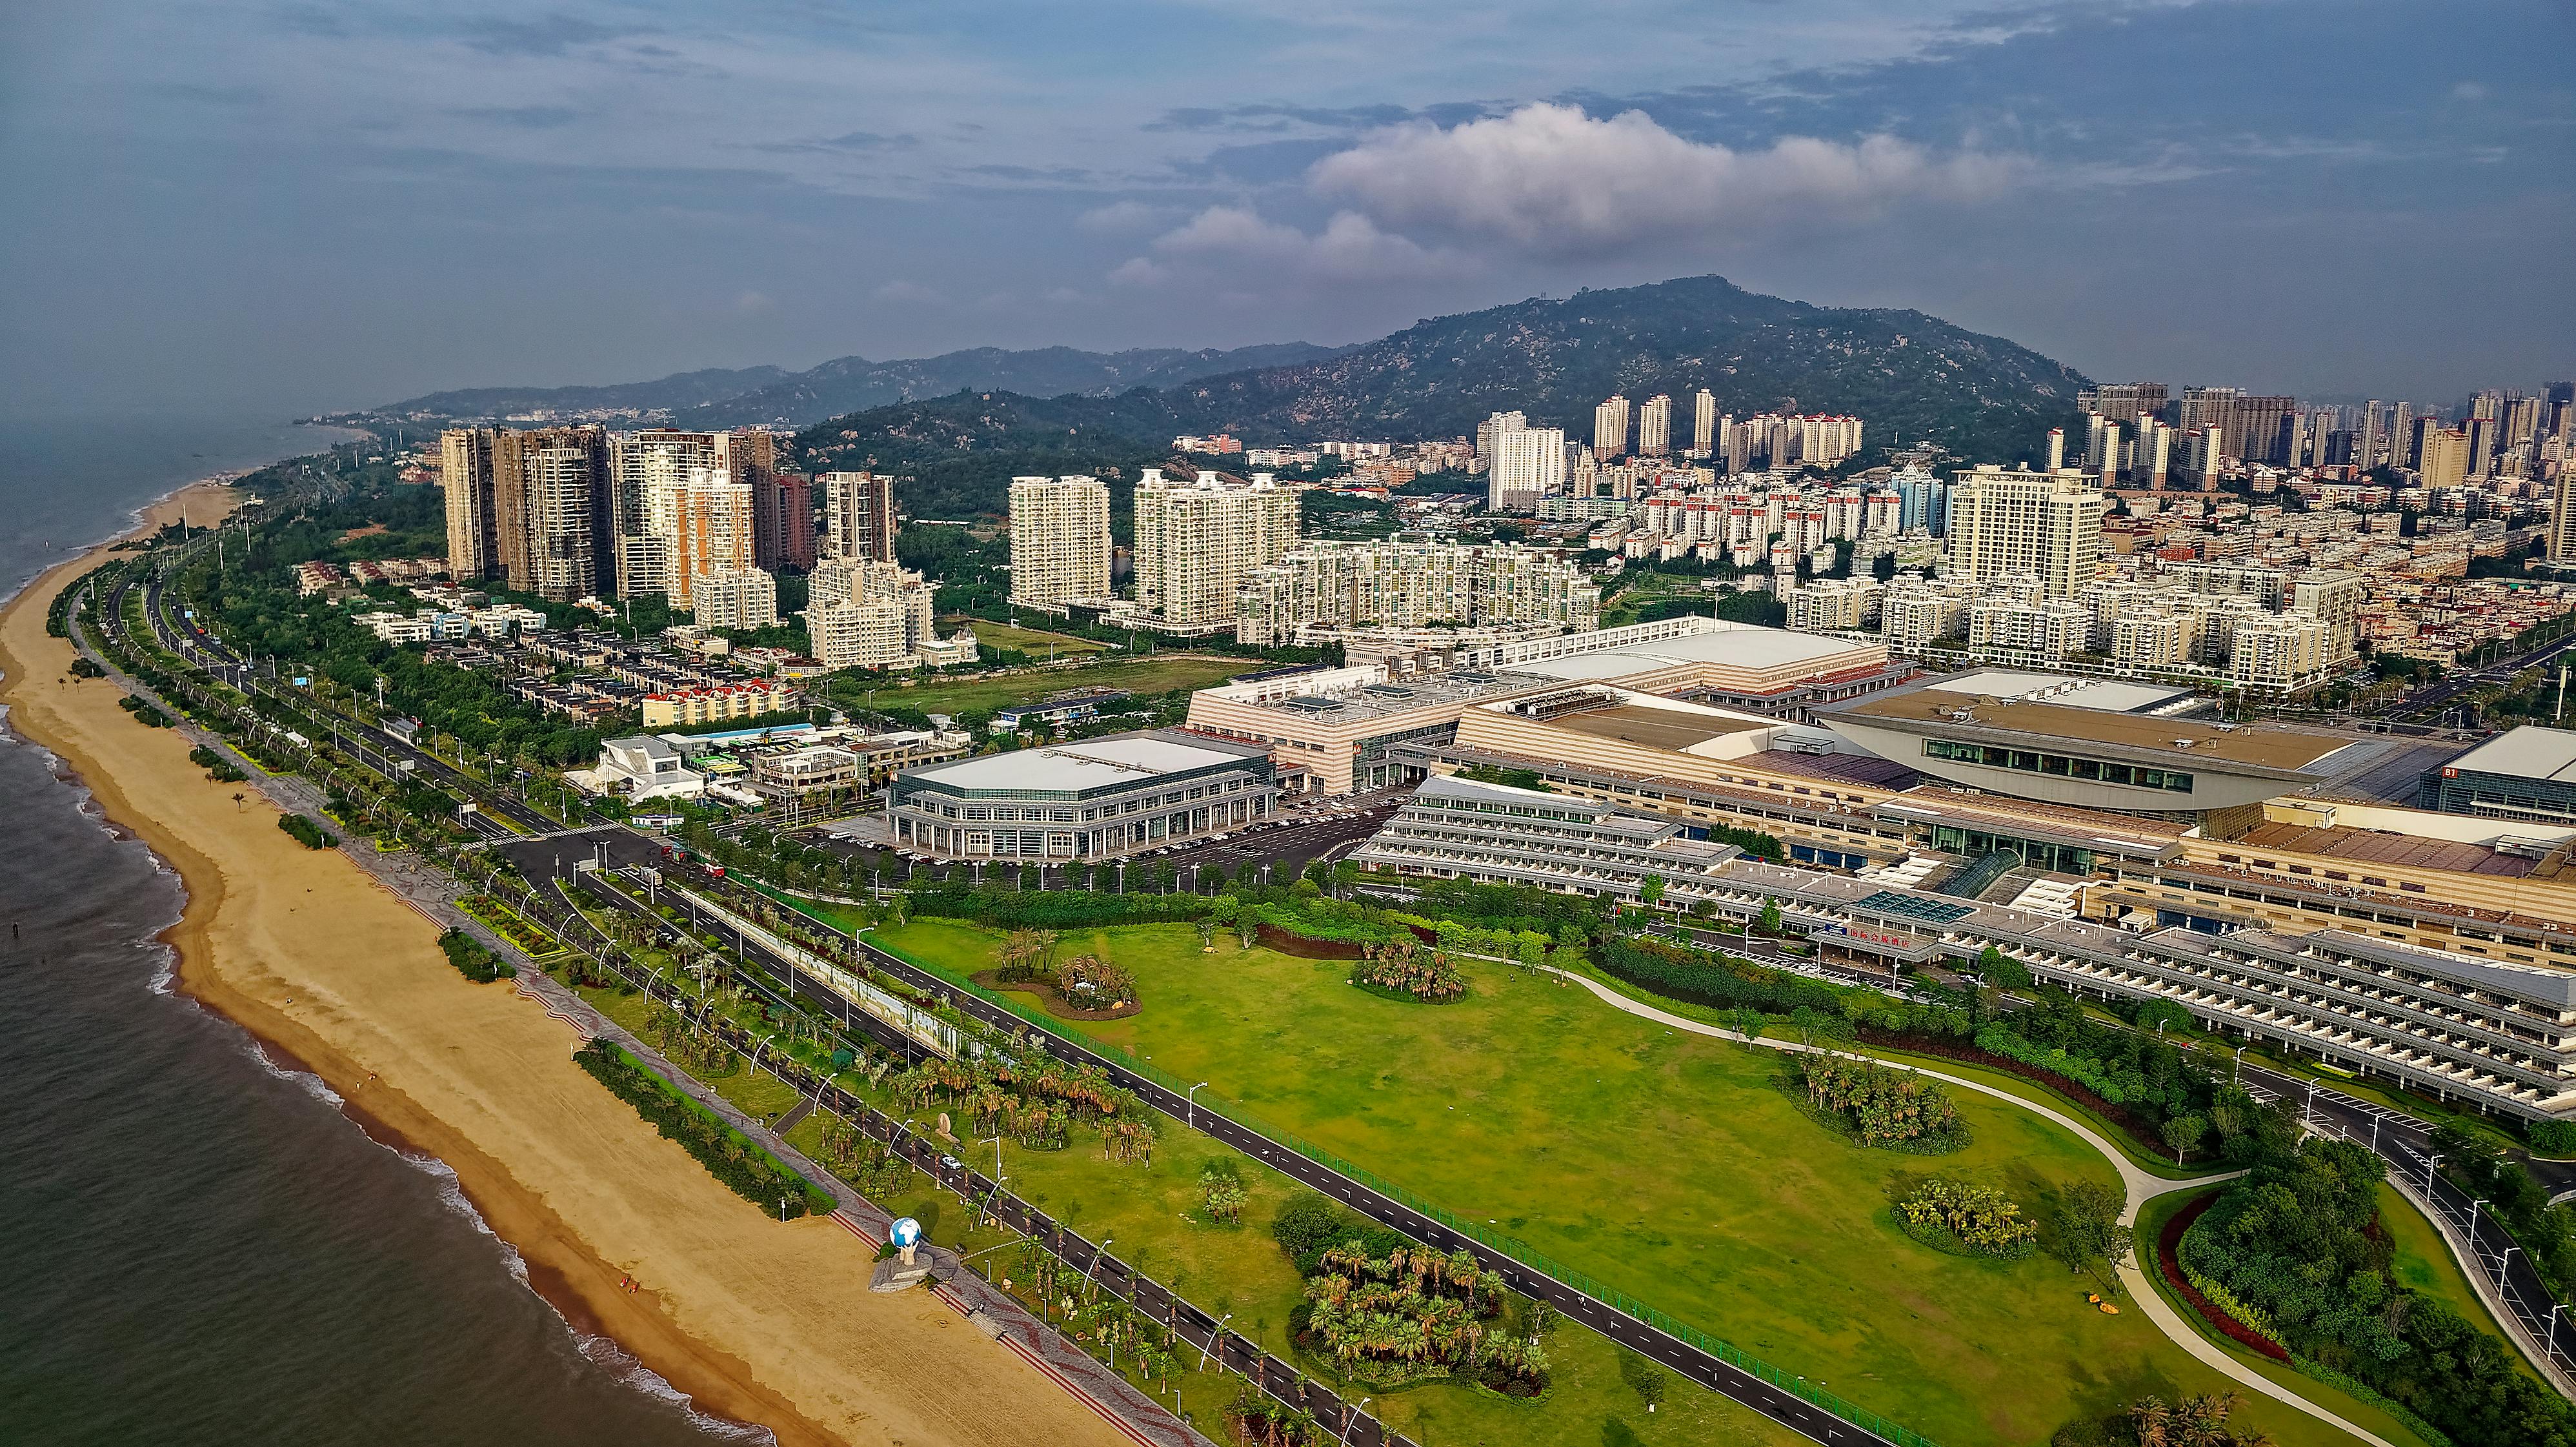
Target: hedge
{"points": [[730, 1156], [306, 832], [1721, 983], [1051, 909], [473, 961]]}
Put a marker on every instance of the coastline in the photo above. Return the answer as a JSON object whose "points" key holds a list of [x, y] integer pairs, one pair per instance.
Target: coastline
{"points": [[753, 1321]]}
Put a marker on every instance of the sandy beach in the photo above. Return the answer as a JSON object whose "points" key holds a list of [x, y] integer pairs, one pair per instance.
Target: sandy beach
{"points": [[755, 1320]]}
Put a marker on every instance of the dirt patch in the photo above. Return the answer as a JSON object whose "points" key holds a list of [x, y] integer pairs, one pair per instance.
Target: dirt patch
{"points": [[1052, 998], [1306, 947]]}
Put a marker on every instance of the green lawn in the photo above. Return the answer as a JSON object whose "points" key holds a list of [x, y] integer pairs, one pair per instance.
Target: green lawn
{"points": [[1160, 673], [1667, 1165], [2424, 1263], [1031, 641]]}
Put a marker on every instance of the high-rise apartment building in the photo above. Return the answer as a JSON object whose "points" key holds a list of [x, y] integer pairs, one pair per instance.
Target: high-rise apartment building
{"points": [[2562, 518], [465, 474], [858, 515], [1412, 585], [868, 614], [1528, 464], [711, 527], [2444, 456], [2127, 403], [1492, 428], [530, 508], [784, 524], [2255, 427], [2044, 525], [1610, 429], [1059, 540], [647, 469], [1195, 541], [734, 598], [1704, 423], [1655, 427]]}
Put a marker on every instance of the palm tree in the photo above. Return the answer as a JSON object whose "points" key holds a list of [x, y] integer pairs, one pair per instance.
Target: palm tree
{"points": [[2153, 1420]]}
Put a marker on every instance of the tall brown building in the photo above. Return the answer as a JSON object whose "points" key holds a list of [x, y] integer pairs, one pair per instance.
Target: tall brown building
{"points": [[784, 518], [2123, 402], [529, 508], [858, 511], [465, 474]]}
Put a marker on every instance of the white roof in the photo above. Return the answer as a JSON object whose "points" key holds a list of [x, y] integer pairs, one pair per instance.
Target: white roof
{"points": [[1089, 764], [2065, 689], [2526, 752]]}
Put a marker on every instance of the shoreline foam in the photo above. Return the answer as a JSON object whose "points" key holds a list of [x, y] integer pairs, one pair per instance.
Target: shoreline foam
{"points": [[728, 1292]]}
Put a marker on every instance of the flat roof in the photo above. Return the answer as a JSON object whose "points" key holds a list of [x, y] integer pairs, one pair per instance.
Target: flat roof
{"points": [[2104, 695], [2378, 846], [1660, 728], [1115, 761], [2265, 746], [2525, 752], [1403, 695]]}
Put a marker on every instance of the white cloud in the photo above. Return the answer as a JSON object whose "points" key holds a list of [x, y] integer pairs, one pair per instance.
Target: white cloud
{"points": [[2469, 90], [1553, 180], [1350, 249], [908, 293]]}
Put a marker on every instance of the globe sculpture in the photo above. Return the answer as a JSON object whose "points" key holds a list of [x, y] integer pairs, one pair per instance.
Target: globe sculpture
{"points": [[905, 1233]]}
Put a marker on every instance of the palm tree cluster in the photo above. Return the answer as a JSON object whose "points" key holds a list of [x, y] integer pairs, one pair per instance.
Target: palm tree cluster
{"points": [[1273, 1424], [1883, 1105], [1412, 1314], [1403, 966], [1027, 954], [1980, 1219], [1035, 1100], [1091, 979], [2192, 1422]]}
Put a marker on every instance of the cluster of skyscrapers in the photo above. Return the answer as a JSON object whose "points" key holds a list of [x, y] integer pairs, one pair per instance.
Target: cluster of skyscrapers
{"points": [[1525, 465]]}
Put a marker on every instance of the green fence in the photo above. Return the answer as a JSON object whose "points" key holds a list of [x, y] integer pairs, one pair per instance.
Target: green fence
{"points": [[1512, 1247]]}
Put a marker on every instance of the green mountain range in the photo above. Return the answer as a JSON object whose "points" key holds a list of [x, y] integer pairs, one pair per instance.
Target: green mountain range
{"points": [[1911, 378]]}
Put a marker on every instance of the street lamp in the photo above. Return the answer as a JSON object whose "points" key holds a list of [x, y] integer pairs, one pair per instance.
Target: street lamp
{"points": [[1190, 1104], [1090, 1272], [2549, 1339], [2473, 1223], [1350, 1415], [2239, 1073], [2429, 1163], [1213, 1337], [2308, 1112]]}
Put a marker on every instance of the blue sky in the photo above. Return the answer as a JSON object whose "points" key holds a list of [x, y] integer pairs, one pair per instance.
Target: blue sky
{"points": [[293, 207]]}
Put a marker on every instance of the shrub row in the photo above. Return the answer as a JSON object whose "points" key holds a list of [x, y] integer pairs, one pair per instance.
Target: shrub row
{"points": [[473, 961], [730, 1156], [306, 832], [1052, 909]]}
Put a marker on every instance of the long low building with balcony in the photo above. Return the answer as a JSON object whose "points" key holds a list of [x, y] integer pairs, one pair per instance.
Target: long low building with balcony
{"points": [[2489, 1033]]}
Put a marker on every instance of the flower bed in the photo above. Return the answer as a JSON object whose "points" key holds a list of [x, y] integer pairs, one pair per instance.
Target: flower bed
{"points": [[2167, 1261]]}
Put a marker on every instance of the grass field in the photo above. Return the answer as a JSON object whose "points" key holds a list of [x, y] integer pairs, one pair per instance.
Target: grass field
{"points": [[1669, 1166], [2427, 1265], [1026, 640], [1160, 673]]}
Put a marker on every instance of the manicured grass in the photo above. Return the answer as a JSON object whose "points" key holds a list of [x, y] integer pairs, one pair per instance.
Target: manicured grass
{"points": [[1031, 641], [1160, 673], [1667, 1165], [2424, 1263]]}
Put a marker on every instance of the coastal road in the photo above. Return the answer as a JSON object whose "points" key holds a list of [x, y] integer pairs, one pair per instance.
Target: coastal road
{"points": [[1779, 1402]]}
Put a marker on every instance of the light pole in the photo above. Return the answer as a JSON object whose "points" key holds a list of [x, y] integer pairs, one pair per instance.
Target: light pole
{"points": [[1089, 1273], [1350, 1415], [1190, 1104], [2549, 1338], [2473, 1223], [2505, 1262], [1214, 1335], [2239, 1073], [2307, 1113]]}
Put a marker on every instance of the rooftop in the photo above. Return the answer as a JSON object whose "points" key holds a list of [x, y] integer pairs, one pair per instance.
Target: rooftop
{"points": [[2263, 746], [1118, 761], [1660, 728], [1383, 699], [2527, 752], [2104, 695], [2376, 846]]}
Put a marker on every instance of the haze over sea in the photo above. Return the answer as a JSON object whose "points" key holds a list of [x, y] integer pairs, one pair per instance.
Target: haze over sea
{"points": [[200, 1247]]}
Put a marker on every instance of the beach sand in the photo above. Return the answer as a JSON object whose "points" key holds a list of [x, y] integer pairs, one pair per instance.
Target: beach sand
{"points": [[756, 1320]]}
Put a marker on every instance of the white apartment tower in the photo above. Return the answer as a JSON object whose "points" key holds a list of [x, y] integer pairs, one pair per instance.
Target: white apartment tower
{"points": [[1529, 463], [1704, 422], [1610, 429], [1059, 540], [2047, 525], [1655, 427], [734, 598], [710, 531], [1196, 540]]}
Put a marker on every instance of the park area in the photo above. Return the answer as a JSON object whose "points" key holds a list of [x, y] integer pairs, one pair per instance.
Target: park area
{"points": [[1036, 643], [1670, 1166], [1149, 673]]}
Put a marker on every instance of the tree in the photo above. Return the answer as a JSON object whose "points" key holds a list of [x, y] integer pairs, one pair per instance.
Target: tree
{"points": [[1643, 1377], [1768, 922], [1650, 892], [2090, 1238], [2182, 1133]]}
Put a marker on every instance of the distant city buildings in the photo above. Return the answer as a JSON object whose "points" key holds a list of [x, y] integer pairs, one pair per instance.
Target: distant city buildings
{"points": [[1317, 590], [858, 515], [874, 615], [2005, 521]]}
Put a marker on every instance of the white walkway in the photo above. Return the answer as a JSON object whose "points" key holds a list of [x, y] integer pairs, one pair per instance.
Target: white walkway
{"points": [[2139, 1184]]}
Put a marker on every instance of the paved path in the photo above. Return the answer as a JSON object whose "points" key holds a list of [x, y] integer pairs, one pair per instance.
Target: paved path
{"points": [[2140, 1184]]}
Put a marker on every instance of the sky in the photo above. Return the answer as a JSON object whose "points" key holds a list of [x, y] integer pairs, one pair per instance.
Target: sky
{"points": [[293, 208]]}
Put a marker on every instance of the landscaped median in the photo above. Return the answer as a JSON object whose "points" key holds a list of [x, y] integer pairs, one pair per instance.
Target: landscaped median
{"points": [[741, 1163]]}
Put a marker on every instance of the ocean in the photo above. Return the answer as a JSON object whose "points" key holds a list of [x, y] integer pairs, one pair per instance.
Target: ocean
{"points": [[200, 1246]]}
